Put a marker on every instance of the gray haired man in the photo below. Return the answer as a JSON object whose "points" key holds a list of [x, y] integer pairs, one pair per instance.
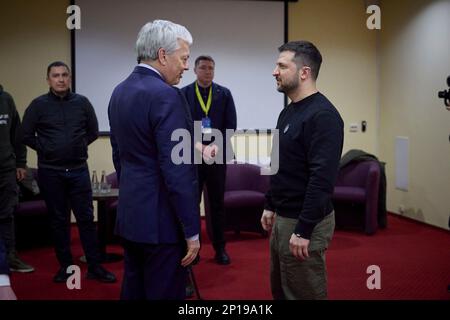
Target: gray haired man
{"points": [[158, 215]]}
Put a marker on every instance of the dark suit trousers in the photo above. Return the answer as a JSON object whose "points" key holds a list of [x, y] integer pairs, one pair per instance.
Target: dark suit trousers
{"points": [[65, 190], [213, 176], [8, 201], [153, 271], [4, 267]]}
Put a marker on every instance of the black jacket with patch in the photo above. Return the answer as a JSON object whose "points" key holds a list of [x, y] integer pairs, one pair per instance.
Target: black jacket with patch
{"points": [[13, 154]]}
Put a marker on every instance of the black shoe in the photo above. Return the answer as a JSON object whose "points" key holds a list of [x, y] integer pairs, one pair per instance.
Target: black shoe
{"points": [[222, 257], [16, 264], [62, 275], [101, 274]]}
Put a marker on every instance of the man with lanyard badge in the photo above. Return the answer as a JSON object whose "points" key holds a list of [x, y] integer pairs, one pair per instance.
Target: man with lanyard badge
{"points": [[217, 113]]}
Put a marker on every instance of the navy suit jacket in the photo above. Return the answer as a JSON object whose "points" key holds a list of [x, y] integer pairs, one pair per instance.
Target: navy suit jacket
{"points": [[157, 199]]}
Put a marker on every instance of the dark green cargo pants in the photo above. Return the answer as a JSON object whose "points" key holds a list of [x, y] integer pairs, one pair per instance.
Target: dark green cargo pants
{"points": [[294, 279]]}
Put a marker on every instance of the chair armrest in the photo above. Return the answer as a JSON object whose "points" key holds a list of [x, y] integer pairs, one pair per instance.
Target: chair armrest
{"points": [[372, 196], [263, 184], [373, 180]]}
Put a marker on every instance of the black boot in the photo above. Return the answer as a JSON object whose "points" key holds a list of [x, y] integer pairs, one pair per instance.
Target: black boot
{"points": [[101, 274], [222, 257]]}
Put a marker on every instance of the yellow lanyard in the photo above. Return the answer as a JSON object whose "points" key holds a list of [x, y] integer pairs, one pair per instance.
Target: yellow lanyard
{"points": [[200, 99]]}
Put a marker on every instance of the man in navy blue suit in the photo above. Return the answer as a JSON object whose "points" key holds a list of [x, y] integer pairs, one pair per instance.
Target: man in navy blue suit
{"points": [[158, 215]]}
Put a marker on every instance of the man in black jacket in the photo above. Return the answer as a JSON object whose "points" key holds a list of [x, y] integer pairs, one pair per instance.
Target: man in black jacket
{"points": [[13, 158], [213, 105], [298, 206], [60, 125]]}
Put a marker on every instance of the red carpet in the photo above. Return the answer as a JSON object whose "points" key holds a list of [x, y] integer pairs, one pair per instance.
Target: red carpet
{"points": [[414, 260]]}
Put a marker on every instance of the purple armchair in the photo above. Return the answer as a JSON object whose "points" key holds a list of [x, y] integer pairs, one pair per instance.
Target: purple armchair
{"points": [[355, 196], [244, 198]]}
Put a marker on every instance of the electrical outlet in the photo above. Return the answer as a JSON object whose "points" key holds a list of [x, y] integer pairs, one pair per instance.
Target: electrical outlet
{"points": [[401, 209], [354, 127]]}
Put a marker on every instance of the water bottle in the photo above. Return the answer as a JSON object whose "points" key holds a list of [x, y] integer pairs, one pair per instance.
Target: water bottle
{"points": [[103, 183], [94, 181]]}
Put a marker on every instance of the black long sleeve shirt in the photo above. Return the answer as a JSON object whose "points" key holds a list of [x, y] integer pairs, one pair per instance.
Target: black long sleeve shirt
{"points": [[311, 134], [60, 129], [13, 154]]}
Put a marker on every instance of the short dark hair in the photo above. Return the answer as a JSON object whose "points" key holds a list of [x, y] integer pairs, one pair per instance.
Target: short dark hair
{"points": [[203, 57], [57, 64], [306, 54]]}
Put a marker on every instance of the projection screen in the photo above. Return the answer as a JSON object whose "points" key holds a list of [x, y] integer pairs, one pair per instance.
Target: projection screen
{"points": [[241, 36]]}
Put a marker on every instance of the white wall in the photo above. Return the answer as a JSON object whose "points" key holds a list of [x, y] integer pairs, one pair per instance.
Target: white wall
{"points": [[415, 63], [349, 75], [241, 36]]}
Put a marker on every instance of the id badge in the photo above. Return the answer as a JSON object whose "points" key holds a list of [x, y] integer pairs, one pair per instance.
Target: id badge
{"points": [[206, 125]]}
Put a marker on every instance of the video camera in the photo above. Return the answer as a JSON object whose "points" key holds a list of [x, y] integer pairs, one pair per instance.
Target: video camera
{"points": [[445, 94]]}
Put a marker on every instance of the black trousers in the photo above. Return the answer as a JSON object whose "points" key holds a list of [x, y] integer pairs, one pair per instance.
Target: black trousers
{"points": [[213, 176], [153, 271], [66, 190], [8, 202]]}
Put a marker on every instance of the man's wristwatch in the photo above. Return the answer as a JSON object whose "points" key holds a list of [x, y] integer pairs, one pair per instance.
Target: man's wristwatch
{"points": [[298, 235]]}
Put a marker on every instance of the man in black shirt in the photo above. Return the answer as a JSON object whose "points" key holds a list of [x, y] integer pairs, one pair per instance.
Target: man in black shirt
{"points": [[13, 158], [60, 125], [298, 204], [213, 105]]}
